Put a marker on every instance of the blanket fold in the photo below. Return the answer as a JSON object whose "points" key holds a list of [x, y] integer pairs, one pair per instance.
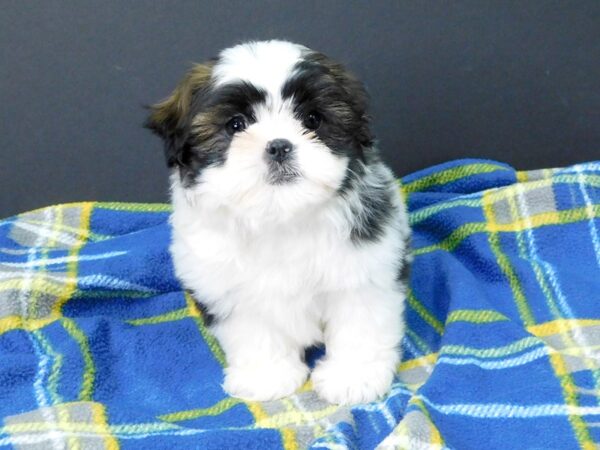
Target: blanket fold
{"points": [[101, 348]]}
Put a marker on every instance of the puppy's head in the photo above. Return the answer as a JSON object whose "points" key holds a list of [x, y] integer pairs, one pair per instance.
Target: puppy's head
{"points": [[267, 128]]}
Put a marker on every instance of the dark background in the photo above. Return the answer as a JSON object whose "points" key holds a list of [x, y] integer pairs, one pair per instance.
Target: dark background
{"points": [[513, 81]]}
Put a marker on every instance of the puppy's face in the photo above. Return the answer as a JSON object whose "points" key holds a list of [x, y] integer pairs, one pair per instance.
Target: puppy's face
{"points": [[267, 129]]}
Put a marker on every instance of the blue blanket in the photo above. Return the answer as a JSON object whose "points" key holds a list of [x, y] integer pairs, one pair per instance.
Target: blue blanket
{"points": [[101, 348]]}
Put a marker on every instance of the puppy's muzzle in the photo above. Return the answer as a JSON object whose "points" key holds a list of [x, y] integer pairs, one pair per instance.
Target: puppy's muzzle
{"points": [[279, 150]]}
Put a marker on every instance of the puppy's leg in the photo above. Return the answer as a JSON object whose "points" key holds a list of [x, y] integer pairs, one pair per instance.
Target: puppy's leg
{"points": [[263, 362], [362, 336]]}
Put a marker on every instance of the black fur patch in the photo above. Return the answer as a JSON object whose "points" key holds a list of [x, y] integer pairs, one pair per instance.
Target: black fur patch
{"points": [[195, 136], [318, 84], [404, 274], [208, 138], [372, 214], [231, 99]]}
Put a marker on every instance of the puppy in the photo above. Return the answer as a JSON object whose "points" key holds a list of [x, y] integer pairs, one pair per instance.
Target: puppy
{"points": [[287, 227]]}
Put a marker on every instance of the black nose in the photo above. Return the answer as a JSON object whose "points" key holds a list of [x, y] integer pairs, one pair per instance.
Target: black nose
{"points": [[279, 149]]}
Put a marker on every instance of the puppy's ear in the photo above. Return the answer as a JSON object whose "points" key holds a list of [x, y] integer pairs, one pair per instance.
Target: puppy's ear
{"points": [[356, 96], [170, 119], [359, 99]]}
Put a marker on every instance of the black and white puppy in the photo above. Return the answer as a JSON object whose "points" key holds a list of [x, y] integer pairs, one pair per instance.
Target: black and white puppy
{"points": [[286, 224]]}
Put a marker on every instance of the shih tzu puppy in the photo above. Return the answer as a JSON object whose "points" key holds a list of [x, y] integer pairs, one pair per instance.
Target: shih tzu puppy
{"points": [[287, 227]]}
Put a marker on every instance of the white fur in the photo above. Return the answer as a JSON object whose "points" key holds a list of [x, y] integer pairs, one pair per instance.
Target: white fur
{"points": [[265, 64], [275, 263], [240, 183]]}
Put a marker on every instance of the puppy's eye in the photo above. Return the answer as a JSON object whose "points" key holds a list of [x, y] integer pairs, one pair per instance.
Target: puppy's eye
{"points": [[236, 124], [312, 121]]}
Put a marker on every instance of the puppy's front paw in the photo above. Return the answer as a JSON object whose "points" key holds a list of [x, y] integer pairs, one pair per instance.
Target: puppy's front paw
{"points": [[265, 381], [348, 382]]}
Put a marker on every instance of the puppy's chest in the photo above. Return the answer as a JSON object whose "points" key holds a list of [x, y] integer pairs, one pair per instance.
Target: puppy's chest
{"points": [[295, 262]]}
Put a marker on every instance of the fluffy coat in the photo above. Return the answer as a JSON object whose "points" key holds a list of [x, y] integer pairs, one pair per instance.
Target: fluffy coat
{"points": [[286, 252]]}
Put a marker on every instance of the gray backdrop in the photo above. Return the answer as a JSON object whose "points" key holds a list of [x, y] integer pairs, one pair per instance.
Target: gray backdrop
{"points": [[513, 81]]}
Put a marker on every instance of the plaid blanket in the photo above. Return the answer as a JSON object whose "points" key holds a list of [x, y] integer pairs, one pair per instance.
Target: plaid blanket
{"points": [[100, 347]]}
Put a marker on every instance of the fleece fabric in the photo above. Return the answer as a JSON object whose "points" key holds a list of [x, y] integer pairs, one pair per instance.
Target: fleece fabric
{"points": [[101, 348]]}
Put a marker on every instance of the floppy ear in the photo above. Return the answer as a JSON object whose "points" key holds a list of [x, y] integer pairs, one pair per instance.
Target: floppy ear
{"points": [[356, 94], [359, 99], [170, 119]]}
